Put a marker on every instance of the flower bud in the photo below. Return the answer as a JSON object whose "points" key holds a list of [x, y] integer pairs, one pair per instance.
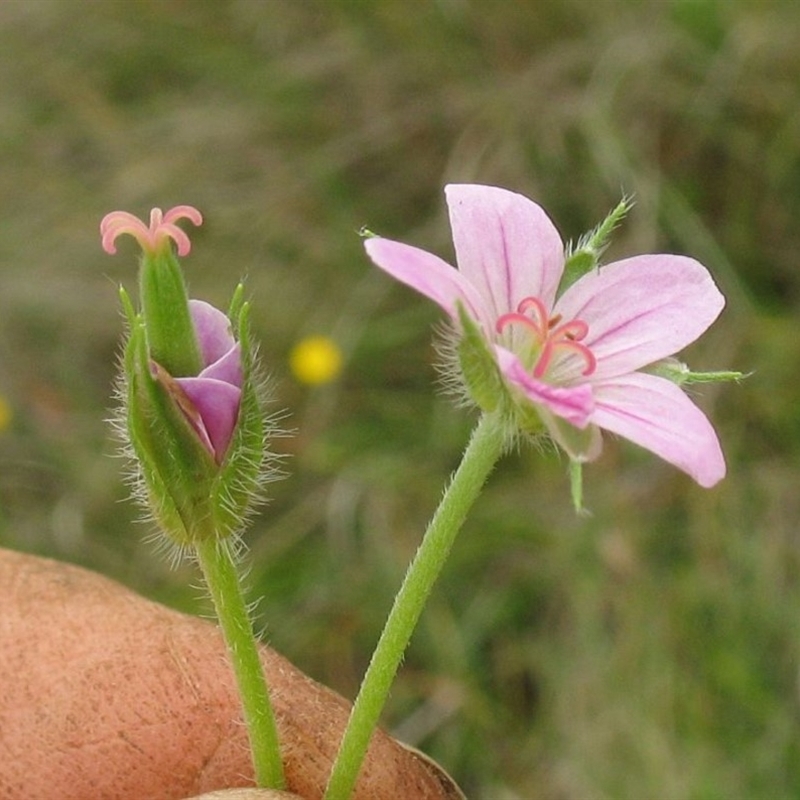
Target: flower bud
{"points": [[191, 413]]}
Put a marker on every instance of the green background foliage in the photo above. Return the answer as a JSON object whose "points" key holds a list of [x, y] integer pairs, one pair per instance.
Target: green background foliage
{"points": [[650, 650]]}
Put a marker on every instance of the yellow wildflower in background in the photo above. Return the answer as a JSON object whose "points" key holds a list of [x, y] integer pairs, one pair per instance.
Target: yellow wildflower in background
{"points": [[6, 414], [315, 360]]}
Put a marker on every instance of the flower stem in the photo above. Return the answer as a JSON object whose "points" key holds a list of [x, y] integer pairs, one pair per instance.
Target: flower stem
{"points": [[485, 447], [219, 571]]}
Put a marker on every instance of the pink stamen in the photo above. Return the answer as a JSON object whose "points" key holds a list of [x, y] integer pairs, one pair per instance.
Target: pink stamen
{"points": [[512, 318], [549, 335], [162, 228], [579, 349], [538, 307]]}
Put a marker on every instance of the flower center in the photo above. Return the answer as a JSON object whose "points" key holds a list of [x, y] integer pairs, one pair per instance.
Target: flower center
{"points": [[547, 337]]}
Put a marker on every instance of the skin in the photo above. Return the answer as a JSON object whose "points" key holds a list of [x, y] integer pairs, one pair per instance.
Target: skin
{"points": [[246, 794], [106, 695]]}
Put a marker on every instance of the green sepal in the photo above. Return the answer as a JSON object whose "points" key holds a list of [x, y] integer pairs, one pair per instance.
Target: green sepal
{"points": [[680, 374], [526, 416], [237, 485], [165, 309], [478, 365], [581, 445], [585, 256], [236, 304], [578, 264]]}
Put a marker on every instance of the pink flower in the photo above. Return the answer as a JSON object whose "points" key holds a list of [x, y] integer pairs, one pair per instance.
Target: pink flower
{"points": [[211, 400], [162, 227], [577, 357]]}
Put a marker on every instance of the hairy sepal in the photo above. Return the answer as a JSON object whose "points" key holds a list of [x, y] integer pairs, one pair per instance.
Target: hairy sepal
{"points": [[586, 256], [478, 365], [238, 484]]}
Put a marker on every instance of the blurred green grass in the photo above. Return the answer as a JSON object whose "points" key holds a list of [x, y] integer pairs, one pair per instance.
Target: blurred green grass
{"points": [[648, 651]]}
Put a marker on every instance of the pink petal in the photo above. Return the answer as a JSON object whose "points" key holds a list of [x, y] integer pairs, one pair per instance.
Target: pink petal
{"points": [[431, 276], [506, 245], [642, 309], [217, 403], [227, 369], [213, 330], [656, 414], [573, 403]]}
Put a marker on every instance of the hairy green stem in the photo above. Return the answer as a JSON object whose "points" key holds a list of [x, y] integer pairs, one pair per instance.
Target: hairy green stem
{"points": [[485, 447], [219, 571]]}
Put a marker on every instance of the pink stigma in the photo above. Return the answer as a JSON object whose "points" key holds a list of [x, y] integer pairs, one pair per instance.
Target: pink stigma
{"points": [[162, 228], [549, 336]]}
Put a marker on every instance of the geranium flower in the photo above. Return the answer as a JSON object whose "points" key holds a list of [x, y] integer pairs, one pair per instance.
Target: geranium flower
{"points": [[579, 358]]}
